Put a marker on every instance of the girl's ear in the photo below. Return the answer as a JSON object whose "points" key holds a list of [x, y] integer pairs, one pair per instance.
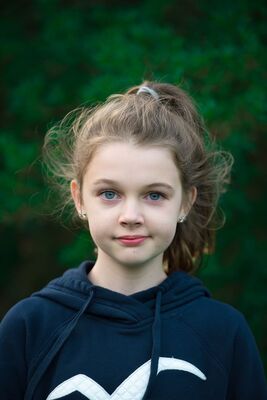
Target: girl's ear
{"points": [[190, 199], [76, 195], [192, 195]]}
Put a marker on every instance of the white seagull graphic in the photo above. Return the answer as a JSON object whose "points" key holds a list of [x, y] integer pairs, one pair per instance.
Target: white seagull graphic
{"points": [[132, 388]]}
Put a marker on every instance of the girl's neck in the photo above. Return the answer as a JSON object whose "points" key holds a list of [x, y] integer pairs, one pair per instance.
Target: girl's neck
{"points": [[126, 279]]}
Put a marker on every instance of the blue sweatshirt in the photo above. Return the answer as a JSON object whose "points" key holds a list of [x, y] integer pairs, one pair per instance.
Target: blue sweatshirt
{"points": [[75, 341]]}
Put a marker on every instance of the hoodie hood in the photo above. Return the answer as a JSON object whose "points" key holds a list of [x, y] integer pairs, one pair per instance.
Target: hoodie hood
{"points": [[74, 291], [73, 288]]}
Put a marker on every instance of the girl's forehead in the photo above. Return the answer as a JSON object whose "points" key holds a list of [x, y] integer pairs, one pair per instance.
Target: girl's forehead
{"points": [[129, 151], [126, 161]]}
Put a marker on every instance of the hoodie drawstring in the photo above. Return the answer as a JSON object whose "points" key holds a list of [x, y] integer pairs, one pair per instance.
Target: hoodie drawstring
{"points": [[156, 336], [47, 359], [36, 376]]}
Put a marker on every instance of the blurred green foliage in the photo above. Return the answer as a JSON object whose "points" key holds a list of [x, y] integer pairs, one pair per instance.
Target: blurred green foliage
{"points": [[57, 55]]}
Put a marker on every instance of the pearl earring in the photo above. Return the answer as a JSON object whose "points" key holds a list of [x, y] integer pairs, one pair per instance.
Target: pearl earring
{"points": [[82, 215], [181, 219]]}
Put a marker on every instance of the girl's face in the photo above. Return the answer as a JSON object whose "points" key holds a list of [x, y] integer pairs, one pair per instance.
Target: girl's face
{"points": [[132, 196]]}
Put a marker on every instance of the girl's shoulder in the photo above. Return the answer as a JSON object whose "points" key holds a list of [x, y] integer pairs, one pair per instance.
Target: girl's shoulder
{"points": [[30, 313], [214, 315], [21, 311], [219, 326]]}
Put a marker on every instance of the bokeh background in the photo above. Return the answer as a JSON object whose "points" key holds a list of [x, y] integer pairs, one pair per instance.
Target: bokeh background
{"points": [[57, 55]]}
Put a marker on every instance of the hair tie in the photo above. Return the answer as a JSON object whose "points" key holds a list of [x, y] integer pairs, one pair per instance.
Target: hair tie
{"points": [[146, 89]]}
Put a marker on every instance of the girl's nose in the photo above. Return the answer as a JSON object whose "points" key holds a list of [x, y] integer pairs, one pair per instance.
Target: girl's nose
{"points": [[131, 214]]}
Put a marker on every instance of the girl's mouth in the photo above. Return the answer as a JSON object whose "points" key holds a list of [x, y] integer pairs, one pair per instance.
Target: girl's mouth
{"points": [[132, 240]]}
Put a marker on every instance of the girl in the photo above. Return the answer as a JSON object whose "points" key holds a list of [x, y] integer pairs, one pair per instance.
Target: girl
{"points": [[134, 324]]}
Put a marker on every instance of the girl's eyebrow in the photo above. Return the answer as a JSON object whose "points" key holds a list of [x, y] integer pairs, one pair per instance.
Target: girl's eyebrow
{"points": [[155, 184]]}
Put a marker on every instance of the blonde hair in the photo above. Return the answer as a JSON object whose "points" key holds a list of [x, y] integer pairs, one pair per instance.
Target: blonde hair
{"points": [[169, 120]]}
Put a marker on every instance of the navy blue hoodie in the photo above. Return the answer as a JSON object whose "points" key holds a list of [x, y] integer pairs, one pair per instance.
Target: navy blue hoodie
{"points": [[76, 341]]}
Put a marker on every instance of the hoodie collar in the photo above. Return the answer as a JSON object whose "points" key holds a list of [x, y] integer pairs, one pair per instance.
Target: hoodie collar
{"points": [[73, 288]]}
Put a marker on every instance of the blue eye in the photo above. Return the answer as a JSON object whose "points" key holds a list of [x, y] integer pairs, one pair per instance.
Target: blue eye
{"points": [[155, 196], [108, 195]]}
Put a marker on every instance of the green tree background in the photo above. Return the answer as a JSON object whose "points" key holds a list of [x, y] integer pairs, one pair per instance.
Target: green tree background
{"points": [[57, 55]]}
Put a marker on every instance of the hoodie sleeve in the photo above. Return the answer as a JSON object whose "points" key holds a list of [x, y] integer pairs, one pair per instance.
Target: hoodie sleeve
{"points": [[12, 355], [247, 380]]}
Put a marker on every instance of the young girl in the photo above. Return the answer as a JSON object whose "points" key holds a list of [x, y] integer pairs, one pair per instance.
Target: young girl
{"points": [[134, 324]]}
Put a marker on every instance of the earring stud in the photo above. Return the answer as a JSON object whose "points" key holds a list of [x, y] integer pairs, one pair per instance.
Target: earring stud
{"points": [[181, 219], [82, 215]]}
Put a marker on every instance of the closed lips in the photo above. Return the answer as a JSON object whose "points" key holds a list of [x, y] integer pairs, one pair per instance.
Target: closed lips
{"points": [[131, 237]]}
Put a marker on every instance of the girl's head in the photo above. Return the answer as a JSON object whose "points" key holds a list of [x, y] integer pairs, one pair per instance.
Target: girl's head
{"points": [[159, 120]]}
